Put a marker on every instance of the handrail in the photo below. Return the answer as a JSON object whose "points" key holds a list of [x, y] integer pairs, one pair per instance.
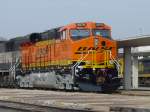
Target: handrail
{"points": [[13, 67], [16, 64], [78, 63], [109, 54], [115, 62]]}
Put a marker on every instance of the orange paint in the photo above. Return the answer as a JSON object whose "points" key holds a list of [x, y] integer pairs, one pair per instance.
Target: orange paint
{"points": [[49, 51]]}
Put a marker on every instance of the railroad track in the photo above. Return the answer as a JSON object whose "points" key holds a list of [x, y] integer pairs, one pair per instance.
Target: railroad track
{"points": [[9, 106], [21, 100]]}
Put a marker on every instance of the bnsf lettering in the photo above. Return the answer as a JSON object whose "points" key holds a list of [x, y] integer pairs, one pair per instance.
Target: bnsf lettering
{"points": [[93, 48], [87, 48], [84, 50]]}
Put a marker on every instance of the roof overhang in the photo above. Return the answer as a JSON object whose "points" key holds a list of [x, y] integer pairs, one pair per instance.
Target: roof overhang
{"points": [[134, 42], [136, 54]]}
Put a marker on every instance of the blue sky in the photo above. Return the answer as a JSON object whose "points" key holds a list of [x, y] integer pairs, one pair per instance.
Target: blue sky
{"points": [[127, 17]]}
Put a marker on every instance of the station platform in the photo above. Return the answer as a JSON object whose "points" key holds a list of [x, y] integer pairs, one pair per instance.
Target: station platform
{"points": [[79, 100]]}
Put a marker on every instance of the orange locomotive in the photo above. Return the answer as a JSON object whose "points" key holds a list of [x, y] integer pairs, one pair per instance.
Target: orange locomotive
{"points": [[78, 56]]}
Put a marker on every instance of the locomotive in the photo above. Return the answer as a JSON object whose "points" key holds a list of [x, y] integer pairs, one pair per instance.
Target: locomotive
{"points": [[78, 56], [144, 71]]}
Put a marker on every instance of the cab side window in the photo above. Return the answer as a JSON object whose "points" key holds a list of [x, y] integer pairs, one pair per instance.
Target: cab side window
{"points": [[64, 35]]}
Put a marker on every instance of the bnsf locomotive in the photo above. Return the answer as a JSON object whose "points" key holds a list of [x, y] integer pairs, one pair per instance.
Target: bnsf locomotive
{"points": [[78, 56]]}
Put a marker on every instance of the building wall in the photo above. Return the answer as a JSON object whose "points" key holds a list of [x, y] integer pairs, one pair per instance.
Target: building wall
{"points": [[2, 47]]}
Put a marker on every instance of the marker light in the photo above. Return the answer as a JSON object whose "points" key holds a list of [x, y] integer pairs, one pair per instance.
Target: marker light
{"points": [[81, 24], [99, 24], [96, 41]]}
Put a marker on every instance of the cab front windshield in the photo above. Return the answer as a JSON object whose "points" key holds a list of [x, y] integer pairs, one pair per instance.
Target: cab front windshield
{"points": [[77, 34], [103, 33]]}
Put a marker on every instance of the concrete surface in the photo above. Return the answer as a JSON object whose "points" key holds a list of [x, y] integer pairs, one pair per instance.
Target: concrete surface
{"points": [[80, 100]]}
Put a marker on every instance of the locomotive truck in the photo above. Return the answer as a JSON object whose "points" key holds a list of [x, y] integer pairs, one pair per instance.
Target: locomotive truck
{"points": [[78, 56]]}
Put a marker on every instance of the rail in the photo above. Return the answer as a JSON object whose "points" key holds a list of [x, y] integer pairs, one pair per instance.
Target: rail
{"points": [[10, 106]]}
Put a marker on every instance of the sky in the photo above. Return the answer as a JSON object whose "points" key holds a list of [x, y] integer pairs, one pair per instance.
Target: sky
{"points": [[126, 17]]}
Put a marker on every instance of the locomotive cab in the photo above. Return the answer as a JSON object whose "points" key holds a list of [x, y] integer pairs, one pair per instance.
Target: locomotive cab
{"points": [[89, 38], [93, 55]]}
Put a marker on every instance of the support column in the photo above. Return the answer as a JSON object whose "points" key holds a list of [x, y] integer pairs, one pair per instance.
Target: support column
{"points": [[135, 72], [127, 69]]}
